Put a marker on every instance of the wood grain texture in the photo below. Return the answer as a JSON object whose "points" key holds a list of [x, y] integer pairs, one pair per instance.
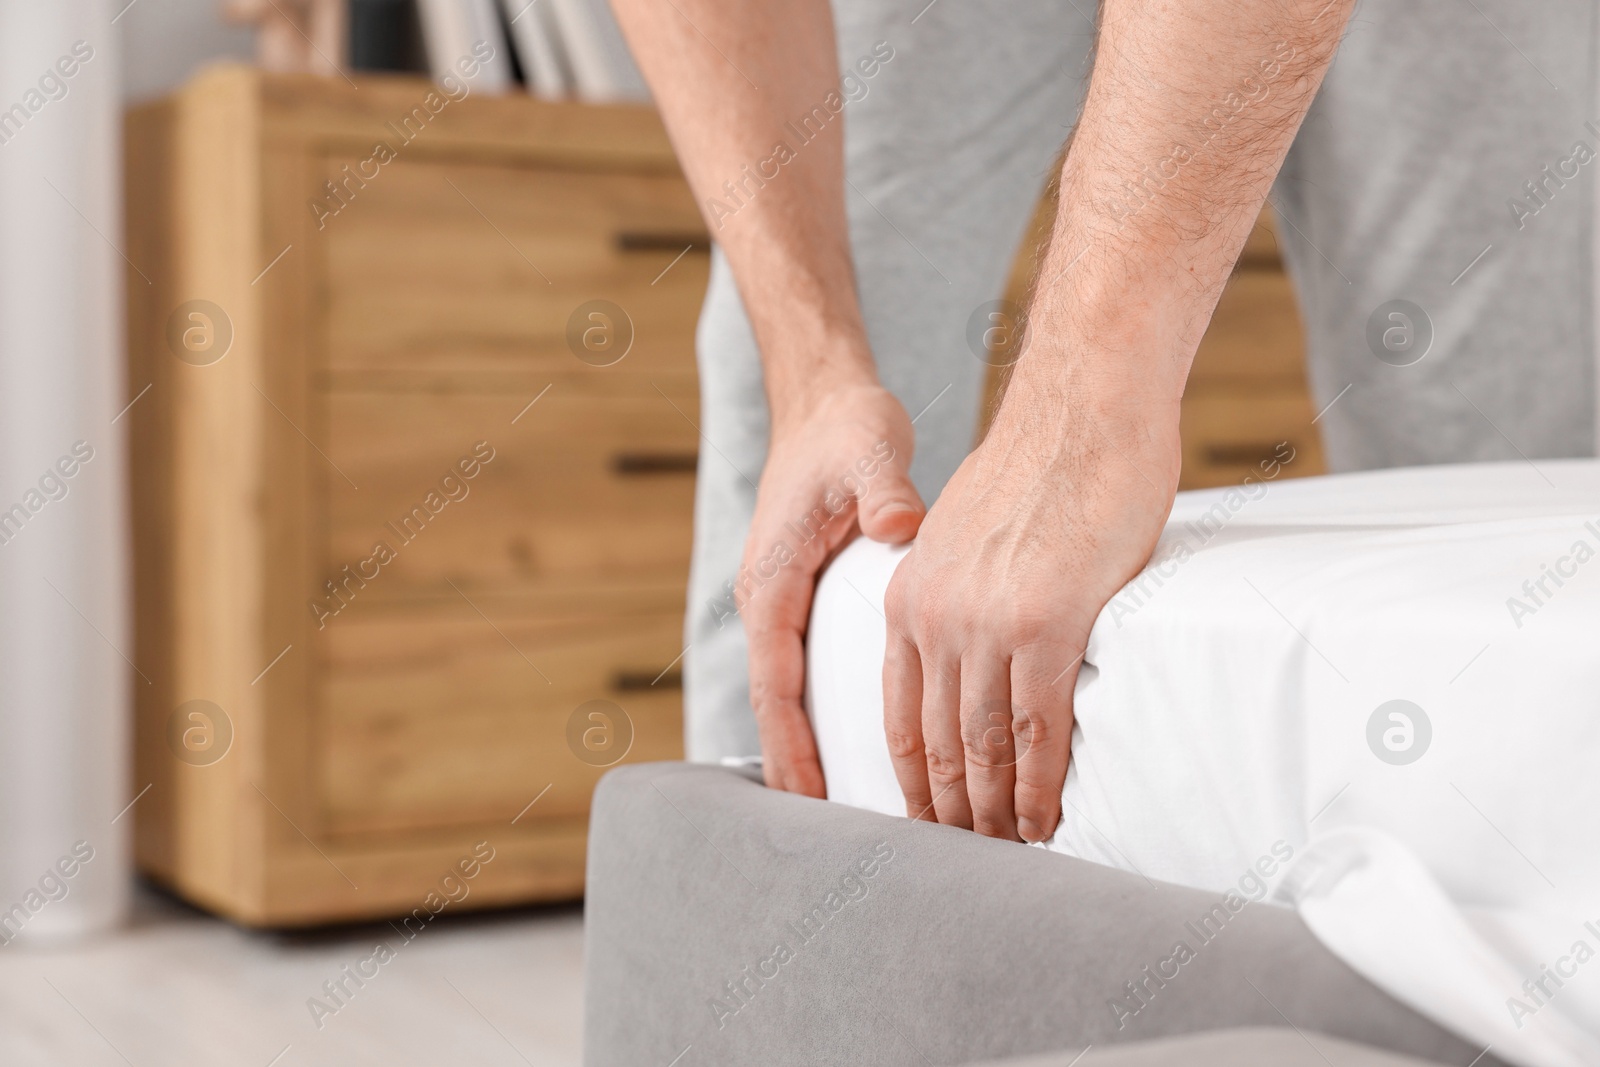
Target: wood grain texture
{"points": [[371, 350], [472, 267], [560, 502], [196, 474], [511, 128], [512, 680]]}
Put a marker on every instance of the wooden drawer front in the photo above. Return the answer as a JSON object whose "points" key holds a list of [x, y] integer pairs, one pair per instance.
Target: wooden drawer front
{"points": [[1228, 434], [586, 486], [1255, 334], [430, 718], [462, 267]]}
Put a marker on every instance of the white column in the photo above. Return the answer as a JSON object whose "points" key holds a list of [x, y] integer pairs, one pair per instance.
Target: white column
{"points": [[65, 635]]}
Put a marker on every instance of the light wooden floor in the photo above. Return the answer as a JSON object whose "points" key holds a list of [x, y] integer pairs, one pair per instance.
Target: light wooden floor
{"points": [[179, 989]]}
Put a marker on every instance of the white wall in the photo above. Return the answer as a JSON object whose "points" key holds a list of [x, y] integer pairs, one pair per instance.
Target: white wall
{"points": [[64, 627], [65, 639], [165, 41]]}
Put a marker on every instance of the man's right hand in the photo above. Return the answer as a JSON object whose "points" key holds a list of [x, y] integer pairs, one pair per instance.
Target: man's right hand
{"points": [[840, 467]]}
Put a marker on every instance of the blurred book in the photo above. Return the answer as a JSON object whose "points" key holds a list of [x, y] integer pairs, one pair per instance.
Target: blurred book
{"points": [[294, 35], [558, 48], [533, 34], [459, 33], [602, 68], [385, 35]]}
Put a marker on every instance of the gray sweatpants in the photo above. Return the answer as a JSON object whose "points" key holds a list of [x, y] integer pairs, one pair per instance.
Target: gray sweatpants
{"points": [[1440, 167]]}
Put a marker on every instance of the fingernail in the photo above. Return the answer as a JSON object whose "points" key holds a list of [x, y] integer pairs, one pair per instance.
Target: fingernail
{"points": [[895, 508], [1028, 830]]}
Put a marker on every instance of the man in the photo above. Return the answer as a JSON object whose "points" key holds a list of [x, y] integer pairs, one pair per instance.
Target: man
{"points": [[867, 174]]}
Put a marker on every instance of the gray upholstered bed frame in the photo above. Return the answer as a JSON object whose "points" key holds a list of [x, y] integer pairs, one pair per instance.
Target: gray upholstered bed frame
{"points": [[731, 924]]}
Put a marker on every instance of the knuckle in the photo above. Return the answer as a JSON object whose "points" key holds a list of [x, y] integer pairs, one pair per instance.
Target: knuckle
{"points": [[768, 696], [987, 739], [1037, 797], [1032, 729], [944, 766], [903, 743]]}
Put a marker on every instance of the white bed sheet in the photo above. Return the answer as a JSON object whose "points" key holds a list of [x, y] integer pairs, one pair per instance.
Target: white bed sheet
{"points": [[1224, 715]]}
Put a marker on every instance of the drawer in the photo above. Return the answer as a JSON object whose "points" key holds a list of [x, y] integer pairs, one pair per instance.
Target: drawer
{"points": [[464, 267], [587, 485], [1255, 335], [1229, 433], [430, 718]]}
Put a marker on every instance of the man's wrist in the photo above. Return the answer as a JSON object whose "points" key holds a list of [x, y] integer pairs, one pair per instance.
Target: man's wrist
{"points": [[1120, 334], [1109, 346], [1106, 385], [1089, 433], [1047, 397], [802, 376]]}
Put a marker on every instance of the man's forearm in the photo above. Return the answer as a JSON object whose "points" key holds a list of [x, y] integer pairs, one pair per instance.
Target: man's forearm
{"points": [[729, 80], [1190, 111]]}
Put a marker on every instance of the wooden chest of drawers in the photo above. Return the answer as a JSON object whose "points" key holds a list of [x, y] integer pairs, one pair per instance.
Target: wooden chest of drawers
{"points": [[413, 455]]}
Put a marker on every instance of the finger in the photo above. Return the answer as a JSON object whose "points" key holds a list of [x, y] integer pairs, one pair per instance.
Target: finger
{"points": [[775, 606], [789, 752], [941, 737], [788, 748], [890, 508], [902, 721], [986, 736], [1041, 690]]}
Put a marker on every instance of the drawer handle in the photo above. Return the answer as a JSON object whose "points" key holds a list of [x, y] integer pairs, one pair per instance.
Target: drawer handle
{"points": [[643, 241], [645, 681], [642, 464], [1246, 455]]}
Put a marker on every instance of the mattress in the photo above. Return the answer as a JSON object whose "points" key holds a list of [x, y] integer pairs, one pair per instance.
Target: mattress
{"points": [[1374, 698]]}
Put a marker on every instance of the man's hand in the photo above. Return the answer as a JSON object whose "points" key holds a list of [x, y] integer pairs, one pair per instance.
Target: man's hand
{"points": [[840, 468], [1189, 113], [989, 614]]}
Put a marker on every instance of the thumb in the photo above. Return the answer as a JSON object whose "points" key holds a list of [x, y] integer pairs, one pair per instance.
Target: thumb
{"points": [[892, 509]]}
